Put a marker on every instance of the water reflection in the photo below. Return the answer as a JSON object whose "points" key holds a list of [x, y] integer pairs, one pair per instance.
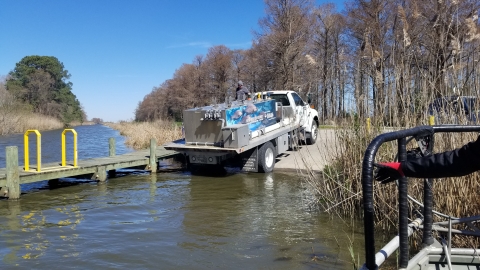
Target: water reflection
{"points": [[254, 219], [26, 231], [172, 221], [9, 231]]}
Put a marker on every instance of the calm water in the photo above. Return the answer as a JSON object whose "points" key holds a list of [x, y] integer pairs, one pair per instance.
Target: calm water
{"points": [[170, 221]]}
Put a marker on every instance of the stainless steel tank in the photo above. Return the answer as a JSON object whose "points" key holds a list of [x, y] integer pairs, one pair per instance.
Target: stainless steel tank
{"points": [[209, 125]]}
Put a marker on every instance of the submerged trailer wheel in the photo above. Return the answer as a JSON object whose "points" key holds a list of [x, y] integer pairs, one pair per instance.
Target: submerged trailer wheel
{"points": [[266, 157]]}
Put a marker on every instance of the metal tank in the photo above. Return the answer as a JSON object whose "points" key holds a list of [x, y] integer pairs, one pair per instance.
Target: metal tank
{"points": [[228, 125]]}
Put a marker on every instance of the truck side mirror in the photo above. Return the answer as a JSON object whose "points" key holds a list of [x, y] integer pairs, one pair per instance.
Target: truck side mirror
{"points": [[309, 100]]}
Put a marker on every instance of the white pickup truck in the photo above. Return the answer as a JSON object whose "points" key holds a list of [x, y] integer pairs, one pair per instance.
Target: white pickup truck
{"points": [[248, 133]]}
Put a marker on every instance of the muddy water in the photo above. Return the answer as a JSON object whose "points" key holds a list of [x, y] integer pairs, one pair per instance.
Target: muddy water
{"points": [[174, 221]]}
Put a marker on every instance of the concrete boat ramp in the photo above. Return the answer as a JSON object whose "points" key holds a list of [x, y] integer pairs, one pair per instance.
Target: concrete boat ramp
{"points": [[310, 157]]}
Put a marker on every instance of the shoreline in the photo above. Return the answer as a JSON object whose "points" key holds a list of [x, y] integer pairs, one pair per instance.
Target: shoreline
{"points": [[87, 123]]}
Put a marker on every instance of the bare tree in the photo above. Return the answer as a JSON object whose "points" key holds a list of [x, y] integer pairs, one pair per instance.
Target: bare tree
{"points": [[325, 54], [386, 59], [259, 68], [219, 65], [371, 24], [284, 36], [238, 65]]}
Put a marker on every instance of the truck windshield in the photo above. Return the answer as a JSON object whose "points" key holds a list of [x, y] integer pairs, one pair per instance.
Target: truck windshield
{"points": [[298, 100]]}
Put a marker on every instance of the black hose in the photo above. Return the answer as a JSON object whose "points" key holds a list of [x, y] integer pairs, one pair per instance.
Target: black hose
{"points": [[455, 128], [403, 207], [427, 238]]}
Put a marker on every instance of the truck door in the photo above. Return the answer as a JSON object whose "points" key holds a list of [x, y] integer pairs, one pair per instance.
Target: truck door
{"points": [[300, 109]]}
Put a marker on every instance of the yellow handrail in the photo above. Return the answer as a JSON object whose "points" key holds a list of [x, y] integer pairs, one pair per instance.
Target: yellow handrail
{"points": [[25, 152], [64, 147]]}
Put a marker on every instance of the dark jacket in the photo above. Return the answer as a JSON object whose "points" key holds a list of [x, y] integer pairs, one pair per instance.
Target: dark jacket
{"points": [[242, 93], [458, 162]]}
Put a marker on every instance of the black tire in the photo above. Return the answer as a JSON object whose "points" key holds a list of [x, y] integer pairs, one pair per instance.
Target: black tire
{"points": [[266, 157], [312, 136]]}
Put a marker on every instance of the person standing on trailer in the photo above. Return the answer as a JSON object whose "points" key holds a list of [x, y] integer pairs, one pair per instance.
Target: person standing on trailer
{"points": [[242, 91]]}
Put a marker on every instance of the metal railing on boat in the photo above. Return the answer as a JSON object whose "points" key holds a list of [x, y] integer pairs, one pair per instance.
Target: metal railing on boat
{"points": [[434, 254]]}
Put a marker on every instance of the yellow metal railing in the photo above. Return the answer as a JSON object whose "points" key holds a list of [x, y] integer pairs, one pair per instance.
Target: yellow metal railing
{"points": [[25, 144], [64, 148]]}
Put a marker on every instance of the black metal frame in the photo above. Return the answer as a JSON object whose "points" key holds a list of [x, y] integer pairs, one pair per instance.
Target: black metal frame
{"points": [[367, 188]]}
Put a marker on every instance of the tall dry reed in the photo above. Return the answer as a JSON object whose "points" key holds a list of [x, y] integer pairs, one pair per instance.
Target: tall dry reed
{"points": [[139, 133], [19, 122], [339, 189]]}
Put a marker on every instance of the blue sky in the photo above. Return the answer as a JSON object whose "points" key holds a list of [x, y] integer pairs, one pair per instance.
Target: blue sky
{"points": [[118, 50]]}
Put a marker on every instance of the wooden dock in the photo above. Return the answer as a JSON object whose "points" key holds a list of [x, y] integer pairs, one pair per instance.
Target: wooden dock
{"points": [[95, 168]]}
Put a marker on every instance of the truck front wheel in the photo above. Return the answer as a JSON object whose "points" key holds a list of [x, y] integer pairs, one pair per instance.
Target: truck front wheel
{"points": [[266, 157], [312, 136]]}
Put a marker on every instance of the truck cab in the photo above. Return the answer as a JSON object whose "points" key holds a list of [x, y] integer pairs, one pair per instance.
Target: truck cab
{"points": [[291, 106]]}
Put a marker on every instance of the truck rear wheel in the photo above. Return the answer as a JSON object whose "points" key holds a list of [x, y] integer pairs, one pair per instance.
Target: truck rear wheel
{"points": [[266, 157], [312, 136]]}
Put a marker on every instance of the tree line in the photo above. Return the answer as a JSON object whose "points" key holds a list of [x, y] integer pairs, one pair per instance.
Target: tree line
{"points": [[385, 59], [39, 83]]}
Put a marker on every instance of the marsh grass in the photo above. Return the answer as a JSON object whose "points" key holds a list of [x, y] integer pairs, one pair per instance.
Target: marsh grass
{"points": [[21, 121], [138, 134], [339, 187]]}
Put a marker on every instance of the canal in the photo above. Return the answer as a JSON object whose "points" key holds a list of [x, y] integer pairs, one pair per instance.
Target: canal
{"points": [[168, 220]]}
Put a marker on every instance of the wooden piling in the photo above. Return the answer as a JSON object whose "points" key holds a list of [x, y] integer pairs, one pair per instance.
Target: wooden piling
{"points": [[100, 174], [153, 159], [111, 146], [13, 174]]}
